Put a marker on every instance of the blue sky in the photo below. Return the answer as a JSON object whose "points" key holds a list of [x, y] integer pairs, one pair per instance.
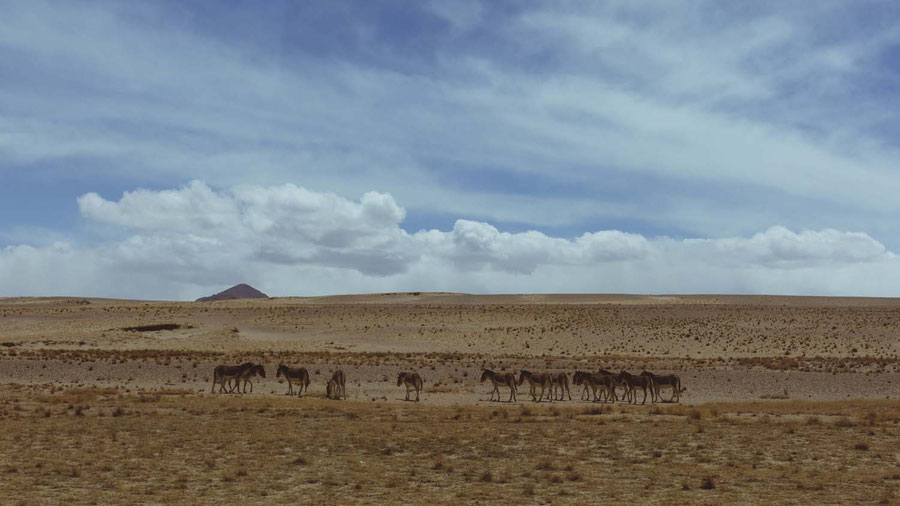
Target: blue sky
{"points": [[746, 147]]}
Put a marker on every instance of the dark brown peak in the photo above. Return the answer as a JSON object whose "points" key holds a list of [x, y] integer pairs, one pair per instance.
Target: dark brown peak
{"points": [[241, 291]]}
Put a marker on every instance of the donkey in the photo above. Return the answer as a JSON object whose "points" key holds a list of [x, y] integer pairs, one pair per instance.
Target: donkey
{"points": [[293, 375], [506, 379], [578, 379], [535, 379], [632, 383], [340, 382], [331, 389], [669, 380], [603, 382], [222, 374], [561, 381], [615, 376], [411, 380], [255, 370]]}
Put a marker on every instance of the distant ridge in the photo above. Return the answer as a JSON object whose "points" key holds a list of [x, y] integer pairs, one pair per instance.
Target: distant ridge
{"points": [[240, 291]]}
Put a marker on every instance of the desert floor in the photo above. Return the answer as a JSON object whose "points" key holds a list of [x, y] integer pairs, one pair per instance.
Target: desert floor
{"points": [[788, 399]]}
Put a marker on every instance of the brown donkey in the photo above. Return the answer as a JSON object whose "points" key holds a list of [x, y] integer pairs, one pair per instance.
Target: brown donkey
{"points": [[293, 375], [669, 380], [255, 370], [534, 380], [340, 381], [506, 379], [578, 379], [411, 380], [331, 389], [605, 383], [223, 374], [633, 383], [561, 382]]}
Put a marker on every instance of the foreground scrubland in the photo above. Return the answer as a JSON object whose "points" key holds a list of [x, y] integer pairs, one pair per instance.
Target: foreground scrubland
{"points": [[788, 400], [102, 445]]}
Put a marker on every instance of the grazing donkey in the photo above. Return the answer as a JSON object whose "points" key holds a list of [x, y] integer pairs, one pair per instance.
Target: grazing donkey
{"points": [[340, 382], [293, 375], [534, 379], [412, 380], [669, 380], [254, 370], [222, 374], [632, 383], [506, 379], [331, 389]]}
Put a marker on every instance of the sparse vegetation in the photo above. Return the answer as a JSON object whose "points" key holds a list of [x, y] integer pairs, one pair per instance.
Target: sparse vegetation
{"points": [[112, 394]]}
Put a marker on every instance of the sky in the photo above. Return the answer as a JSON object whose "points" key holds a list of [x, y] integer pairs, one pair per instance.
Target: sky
{"points": [[169, 150]]}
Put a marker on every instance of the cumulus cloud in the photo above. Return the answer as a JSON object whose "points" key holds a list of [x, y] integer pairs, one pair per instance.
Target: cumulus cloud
{"points": [[476, 245], [782, 248], [181, 241], [279, 224], [194, 207]]}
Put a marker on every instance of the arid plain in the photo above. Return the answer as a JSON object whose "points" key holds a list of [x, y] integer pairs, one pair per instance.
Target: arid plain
{"points": [[787, 399]]}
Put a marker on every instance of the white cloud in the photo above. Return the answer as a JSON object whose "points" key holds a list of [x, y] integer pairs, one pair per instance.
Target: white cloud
{"points": [[195, 207], [782, 248], [475, 245], [638, 89], [291, 240], [281, 224]]}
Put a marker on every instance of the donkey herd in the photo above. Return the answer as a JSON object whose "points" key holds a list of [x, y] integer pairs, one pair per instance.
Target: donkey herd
{"points": [[597, 386]]}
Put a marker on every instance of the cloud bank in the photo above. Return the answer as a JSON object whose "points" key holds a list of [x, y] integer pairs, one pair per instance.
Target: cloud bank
{"points": [[184, 242], [699, 120]]}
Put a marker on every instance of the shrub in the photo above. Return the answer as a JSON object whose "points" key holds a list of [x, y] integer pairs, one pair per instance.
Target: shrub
{"points": [[545, 465]]}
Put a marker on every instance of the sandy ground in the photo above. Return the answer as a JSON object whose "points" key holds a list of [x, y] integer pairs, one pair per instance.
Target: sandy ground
{"points": [[723, 347], [69, 364]]}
